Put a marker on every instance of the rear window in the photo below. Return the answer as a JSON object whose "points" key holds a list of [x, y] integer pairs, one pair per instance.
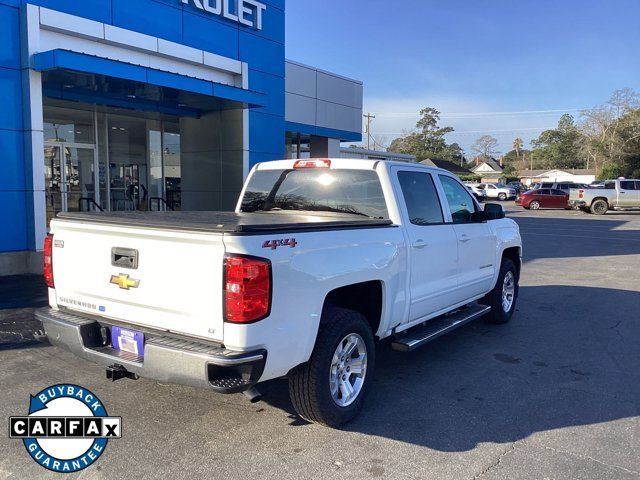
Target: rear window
{"points": [[354, 192]]}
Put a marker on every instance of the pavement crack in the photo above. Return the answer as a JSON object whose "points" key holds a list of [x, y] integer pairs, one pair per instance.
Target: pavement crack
{"points": [[587, 457], [497, 462]]}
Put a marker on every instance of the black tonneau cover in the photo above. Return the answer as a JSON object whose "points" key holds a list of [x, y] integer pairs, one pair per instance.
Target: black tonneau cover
{"points": [[228, 222]]}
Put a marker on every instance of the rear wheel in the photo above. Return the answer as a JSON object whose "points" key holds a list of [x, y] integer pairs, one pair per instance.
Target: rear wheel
{"points": [[535, 205], [599, 207], [330, 389], [502, 299]]}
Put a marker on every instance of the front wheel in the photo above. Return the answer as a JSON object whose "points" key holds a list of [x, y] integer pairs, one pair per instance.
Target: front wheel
{"points": [[535, 205], [502, 299], [330, 389], [502, 197]]}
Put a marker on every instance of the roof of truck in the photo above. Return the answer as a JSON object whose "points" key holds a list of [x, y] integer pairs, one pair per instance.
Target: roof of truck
{"points": [[350, 163]]}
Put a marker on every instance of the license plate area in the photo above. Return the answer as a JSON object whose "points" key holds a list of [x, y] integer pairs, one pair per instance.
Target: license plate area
{"points": [[127, 340]]}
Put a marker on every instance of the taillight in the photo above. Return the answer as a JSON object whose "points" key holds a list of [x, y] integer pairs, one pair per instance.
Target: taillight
{"points": [[247, 289], [48, 261], [312, 164], [580, 193]]}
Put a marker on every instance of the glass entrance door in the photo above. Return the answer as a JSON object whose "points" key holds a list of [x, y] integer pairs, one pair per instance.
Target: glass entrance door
{"points": [[69, 178]]}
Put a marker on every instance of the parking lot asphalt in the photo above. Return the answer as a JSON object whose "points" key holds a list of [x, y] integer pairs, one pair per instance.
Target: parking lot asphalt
{"points": [[554, 394]]}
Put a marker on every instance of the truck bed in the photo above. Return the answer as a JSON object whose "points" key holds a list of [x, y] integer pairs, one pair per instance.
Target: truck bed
{"points": [[227, 222]]}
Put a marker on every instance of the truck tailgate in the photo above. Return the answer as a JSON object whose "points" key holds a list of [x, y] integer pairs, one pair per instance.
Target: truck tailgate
{"points": [[574, 194], [176, 285]]}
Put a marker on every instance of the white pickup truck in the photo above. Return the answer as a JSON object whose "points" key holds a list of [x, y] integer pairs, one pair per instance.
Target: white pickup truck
{"points": [[320, 260]]}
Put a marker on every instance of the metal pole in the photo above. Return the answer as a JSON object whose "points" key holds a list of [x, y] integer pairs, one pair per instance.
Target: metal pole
{"points": [[369, 117]]}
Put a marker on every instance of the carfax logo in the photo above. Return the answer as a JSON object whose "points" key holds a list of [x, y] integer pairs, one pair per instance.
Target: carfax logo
{"points": [[67, 428]]}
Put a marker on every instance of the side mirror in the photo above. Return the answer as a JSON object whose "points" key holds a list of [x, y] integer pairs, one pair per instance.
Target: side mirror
{"points": [[493, 211]]}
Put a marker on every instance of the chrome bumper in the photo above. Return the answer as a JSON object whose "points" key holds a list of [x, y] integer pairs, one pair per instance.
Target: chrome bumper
{"points": [[170, 359]]}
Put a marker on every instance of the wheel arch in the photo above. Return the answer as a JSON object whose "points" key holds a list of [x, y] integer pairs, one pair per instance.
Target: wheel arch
{"points": [[364, 297], [514, 254], [600, 198]]}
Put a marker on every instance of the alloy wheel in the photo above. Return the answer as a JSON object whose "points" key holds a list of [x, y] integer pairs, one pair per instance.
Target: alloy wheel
{"points": [[348, 370]]}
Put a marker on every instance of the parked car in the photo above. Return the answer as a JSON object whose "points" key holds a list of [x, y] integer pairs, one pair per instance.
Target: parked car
{"points": [[564, 186], [498, 191], [478, 193], [621, 194], [543, 198], [320, 259]]}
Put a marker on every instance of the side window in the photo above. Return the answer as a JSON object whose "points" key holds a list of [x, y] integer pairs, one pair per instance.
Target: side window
{"points": [[627, 185], [558, 193], [421, 198], [460, 202], [543, 191], [610, 185]]}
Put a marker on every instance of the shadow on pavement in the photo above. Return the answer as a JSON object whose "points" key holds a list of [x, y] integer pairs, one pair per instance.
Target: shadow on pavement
{"points": [[19, 296], [23, 291], [568, 358], [562, 237]]}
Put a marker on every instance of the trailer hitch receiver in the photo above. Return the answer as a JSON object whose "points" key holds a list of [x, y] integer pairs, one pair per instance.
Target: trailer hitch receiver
{"points": [[116, 372]]}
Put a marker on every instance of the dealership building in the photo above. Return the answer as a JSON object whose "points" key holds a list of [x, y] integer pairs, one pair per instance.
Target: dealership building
{"points": [[122, 105]]}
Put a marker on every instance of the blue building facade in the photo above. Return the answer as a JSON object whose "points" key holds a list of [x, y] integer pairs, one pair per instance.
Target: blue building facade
{"points": [[149, 104]]}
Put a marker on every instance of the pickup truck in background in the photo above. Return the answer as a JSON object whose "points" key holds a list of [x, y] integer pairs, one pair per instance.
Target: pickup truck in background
{"points": [[498, 191], [618, 194], [320, 261]]}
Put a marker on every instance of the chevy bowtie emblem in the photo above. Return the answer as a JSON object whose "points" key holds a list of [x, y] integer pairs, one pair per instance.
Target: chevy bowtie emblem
{"points": [[124, 282]]}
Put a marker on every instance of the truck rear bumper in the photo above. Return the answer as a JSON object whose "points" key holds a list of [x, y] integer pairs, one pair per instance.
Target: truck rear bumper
{"points": [[171, 359]]}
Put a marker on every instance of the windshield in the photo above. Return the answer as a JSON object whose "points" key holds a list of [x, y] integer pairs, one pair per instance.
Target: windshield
{"points": [[353, 192]]}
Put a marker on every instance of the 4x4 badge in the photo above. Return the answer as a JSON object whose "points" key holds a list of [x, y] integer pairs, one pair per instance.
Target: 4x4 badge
{"points": [[124, 282]]}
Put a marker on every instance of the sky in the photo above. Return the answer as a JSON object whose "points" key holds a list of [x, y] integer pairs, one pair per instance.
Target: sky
{"points": [[507, 68]]}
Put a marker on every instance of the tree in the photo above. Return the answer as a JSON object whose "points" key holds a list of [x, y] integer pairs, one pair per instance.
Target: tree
{"points": [[485, 146], [558, 147], [428, 141], [611, 132], [517, 146]]}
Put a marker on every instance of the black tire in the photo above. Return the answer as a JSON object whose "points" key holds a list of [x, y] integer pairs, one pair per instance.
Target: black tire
{"points": [[498, 315], [599, 207], [309, 388], [502, 197]]}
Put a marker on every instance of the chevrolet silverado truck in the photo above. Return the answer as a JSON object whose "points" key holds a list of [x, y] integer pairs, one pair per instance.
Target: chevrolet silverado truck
{"points": [[619, 194], [321, 260]]}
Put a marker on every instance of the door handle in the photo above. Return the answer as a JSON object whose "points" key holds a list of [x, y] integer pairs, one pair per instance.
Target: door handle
{"points": [[465, 238], [419, 244]]}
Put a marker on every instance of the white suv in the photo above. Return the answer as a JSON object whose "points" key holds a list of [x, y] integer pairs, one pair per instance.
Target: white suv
{"points": [[499, 191]]}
